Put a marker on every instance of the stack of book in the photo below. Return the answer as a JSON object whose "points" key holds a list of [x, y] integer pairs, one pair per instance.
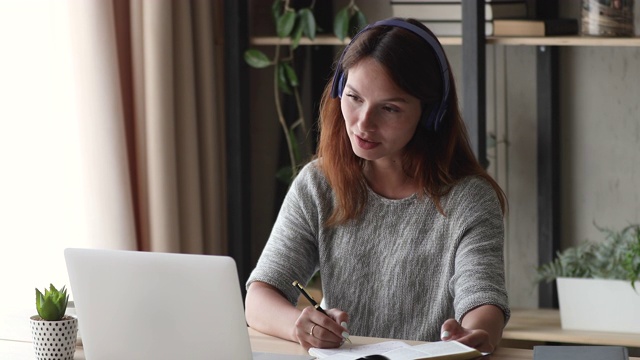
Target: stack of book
{"points": [[444, 17]]}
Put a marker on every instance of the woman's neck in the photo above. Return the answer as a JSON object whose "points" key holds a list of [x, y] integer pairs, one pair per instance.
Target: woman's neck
{"points": [[389, 179]]}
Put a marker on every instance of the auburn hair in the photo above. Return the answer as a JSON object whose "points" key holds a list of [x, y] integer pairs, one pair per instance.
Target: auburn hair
{"points": [[435, 160]]}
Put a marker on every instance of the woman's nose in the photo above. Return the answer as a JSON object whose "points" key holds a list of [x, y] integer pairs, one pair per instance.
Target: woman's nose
{"points": [[366, 120]]}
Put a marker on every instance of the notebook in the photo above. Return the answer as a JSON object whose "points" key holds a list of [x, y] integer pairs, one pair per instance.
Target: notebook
{"points": [[142, 305], [580, 352]]}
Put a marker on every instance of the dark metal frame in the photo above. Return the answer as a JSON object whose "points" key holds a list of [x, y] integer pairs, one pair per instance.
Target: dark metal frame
{"points": [[548, 155], [474, 77], [237, 137], [548, 136]]}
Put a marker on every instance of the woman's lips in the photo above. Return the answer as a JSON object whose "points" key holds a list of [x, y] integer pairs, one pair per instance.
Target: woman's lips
{"points": [[364, 144]]}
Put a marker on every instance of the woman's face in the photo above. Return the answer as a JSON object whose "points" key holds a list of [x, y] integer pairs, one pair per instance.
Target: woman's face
{"points": [[380, 117]]}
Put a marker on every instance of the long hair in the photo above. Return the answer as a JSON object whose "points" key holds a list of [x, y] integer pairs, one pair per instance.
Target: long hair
{"points": [[435, 160]]}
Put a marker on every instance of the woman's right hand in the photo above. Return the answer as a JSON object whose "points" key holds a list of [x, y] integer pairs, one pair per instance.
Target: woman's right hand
{"points": [[315, 329]]}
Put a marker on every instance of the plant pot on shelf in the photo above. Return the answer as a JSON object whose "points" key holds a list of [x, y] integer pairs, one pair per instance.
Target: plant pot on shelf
{"points": [[599, 305], [54, 339]]}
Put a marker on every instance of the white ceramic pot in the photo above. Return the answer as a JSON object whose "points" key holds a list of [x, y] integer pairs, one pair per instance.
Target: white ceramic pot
{"points": [[599, 305], [54, 339]]}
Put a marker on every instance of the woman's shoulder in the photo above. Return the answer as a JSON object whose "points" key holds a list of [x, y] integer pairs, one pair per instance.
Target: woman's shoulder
{"points": [[311, 172], [472, 190], [311, 177], [473, 183]]}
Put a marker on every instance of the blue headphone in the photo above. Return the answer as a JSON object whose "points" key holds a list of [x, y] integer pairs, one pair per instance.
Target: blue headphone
{"points": [[430, 119]]}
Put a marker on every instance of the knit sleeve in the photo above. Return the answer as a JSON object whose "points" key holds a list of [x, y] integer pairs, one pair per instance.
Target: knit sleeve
{"points": [[479, 277], [291, 252]]}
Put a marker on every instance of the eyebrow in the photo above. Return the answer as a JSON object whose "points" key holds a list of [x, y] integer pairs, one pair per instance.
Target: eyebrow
{"points": [[394, 99]]}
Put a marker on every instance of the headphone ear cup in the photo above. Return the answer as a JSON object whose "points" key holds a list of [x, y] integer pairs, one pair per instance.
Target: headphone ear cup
{"points": [[341, 83], [338, 84], [428, 117]]}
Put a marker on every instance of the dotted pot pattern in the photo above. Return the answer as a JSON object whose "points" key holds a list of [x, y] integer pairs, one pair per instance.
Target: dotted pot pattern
{"points": [[54, 340]]}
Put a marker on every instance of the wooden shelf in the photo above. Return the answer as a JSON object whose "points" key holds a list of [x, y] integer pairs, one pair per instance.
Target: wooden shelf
{"points": [[564, 41], [319, 40], [543, 325], [326, 40], [503, 40]]}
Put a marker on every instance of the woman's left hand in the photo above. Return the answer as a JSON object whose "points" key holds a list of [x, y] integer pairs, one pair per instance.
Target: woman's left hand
{"points": [[481, 328], [475, 338]]}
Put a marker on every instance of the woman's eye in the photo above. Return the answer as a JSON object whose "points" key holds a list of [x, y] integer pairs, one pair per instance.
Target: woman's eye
{"points": [[390, 109], [353, 97]]}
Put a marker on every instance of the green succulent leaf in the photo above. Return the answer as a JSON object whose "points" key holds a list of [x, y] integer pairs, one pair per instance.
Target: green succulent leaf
{"points": [[256, 59], [52, 305], [341, 24], [285, 23], [308, 22]]}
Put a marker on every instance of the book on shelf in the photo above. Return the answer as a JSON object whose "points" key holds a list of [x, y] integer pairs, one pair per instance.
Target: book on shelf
{"points": [[453, 11], [580, 352], [522, 27], [400, 350], [453, 28], [446, 1]]}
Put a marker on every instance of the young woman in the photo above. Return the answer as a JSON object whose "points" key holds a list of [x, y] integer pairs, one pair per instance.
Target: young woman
{"points": [[403, 223]]}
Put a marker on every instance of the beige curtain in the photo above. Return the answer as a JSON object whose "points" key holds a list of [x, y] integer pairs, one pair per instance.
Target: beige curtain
{"points": [[160, 89]]}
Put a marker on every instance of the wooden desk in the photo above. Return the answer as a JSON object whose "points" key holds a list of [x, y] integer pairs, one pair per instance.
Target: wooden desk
{"points": [[19, 350], [543, 325], [266, 343]]}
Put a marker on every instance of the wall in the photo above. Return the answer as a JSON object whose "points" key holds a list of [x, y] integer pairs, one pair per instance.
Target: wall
{"points": [[600, 136]]}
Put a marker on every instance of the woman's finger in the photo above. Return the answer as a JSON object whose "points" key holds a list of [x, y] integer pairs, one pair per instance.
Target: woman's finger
{"points": [[451, 330], [477, 339], [314, 329]]}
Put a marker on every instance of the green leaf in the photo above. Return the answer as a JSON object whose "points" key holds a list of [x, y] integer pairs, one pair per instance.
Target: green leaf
{"points": [[294, 145], [39, 299], [341, 24], [359, 21], [297, 35], [256, 58], [285, 23], [308, 22], [292, 78], [53, 304], [276, 9], [283, 84], [285, 175]]}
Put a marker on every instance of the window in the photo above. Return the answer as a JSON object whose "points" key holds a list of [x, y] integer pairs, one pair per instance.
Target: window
{"points": [[41, 187]]}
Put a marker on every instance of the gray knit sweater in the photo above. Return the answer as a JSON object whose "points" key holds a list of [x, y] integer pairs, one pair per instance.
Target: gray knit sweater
{"points": [[402, 268]]}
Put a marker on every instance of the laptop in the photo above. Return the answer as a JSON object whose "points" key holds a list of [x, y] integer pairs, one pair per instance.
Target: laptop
{"points": [[143, 305]]}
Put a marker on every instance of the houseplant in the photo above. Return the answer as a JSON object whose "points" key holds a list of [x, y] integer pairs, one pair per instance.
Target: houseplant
{"points": [[54, 333], [598, 282], [291, 24]]}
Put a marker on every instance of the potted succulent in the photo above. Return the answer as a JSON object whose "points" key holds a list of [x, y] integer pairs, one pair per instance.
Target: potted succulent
{"points": [[598, 282], [54, 333]]}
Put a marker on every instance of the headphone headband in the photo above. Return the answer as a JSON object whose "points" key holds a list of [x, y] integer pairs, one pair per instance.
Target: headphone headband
{"points": [[430, 119]]}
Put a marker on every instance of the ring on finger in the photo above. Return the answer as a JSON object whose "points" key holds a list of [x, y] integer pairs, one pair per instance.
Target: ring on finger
{"points": [[311, 331]]}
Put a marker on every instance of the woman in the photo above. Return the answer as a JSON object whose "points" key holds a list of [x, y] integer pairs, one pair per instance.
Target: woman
{"points": [[403, 223]]}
